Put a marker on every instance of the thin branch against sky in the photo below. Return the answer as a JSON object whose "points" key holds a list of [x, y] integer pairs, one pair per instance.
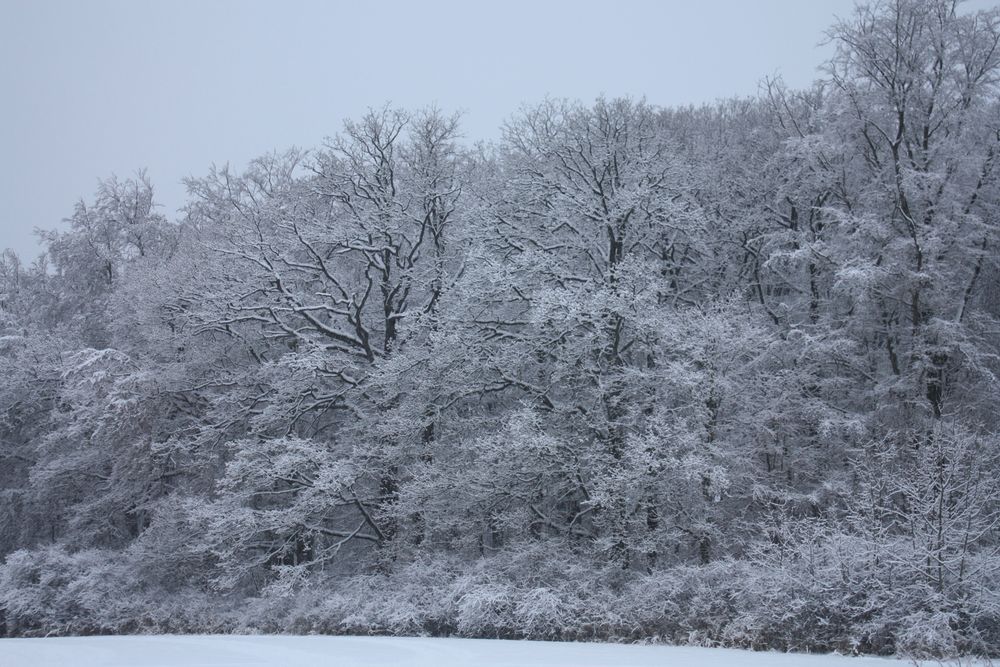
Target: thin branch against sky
{"points": [[105, 87]]}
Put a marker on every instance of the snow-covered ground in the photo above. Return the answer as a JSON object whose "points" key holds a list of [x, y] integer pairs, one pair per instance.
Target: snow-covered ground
{"points": [[239, 651]]}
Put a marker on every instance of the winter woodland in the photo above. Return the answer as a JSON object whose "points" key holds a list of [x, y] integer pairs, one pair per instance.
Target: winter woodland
{"points": [[718, 375]]}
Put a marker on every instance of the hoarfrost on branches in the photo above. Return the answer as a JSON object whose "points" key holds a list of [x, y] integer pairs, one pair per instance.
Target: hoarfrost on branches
{"points": [[724, 375]]}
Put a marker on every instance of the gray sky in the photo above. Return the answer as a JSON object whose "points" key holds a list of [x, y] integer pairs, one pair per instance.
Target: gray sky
{"points": [[100, 87]]}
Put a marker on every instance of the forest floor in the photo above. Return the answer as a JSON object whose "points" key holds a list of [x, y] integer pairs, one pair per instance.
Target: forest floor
{"points": [[322, 651]]}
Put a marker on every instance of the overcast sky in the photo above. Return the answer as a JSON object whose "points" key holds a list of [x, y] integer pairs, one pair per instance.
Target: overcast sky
{"points": [[100, 87]]}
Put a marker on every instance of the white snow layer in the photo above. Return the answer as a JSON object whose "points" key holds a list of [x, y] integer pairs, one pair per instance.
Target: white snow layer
{"points": [[319, 651]]}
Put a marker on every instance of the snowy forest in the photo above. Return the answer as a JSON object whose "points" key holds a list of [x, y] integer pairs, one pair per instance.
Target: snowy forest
{"points": [[718, 375]]}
